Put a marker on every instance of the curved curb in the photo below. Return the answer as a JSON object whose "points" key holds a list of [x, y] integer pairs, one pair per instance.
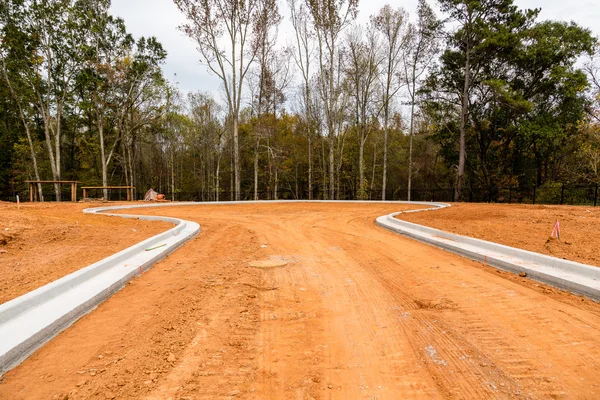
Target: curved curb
{"points": [[31, 320], [569, 275]]}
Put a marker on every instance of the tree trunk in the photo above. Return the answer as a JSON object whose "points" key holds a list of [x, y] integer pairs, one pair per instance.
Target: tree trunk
{"points": [[323, 170], [385, 149], [231, 180], [361, 167], [256, 146], [27, 132], [103, 157], [217, 179], [276, 185], [331, 165], [310, 187], [410, 147], [373, 172], [55, 173], [236, 158], [463, 126], [172, 176]]}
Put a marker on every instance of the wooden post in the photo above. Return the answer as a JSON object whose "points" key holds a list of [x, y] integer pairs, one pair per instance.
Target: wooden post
{"points": [[84, 193], [73, 192], [31, 192], [129, 190]]}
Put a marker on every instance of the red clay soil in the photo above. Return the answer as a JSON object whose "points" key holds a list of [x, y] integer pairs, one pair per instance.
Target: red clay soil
{"points": [[357, 312], [42, 242], [523, 226]]}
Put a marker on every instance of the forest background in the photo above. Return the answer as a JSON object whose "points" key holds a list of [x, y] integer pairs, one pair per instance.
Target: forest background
{"points": [[455, 100]]}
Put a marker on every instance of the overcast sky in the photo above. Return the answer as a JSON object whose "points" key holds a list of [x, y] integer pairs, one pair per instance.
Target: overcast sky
{"points": [[160, 18]]}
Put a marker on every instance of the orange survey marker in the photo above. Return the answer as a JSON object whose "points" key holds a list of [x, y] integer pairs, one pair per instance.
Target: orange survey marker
{"points": [[556, 231]]}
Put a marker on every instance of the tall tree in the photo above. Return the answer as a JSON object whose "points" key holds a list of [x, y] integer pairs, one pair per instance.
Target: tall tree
{"points": [[476, 19], [211, 21], [14, 63], [330, 17], [361, 81], [303, 56], [391, 25], [106, 49], [421, 47], [265, 41], [58, 27]]}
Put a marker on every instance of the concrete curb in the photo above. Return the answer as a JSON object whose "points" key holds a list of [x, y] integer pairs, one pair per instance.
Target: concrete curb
{"points": [[569, 275], [31, 320]]}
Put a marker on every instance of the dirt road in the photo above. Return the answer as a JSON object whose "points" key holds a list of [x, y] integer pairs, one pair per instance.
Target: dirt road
{"points": [[357, 312]]}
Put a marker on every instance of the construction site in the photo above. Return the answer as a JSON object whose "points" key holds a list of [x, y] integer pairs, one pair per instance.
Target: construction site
{"points": [[298, 300]]}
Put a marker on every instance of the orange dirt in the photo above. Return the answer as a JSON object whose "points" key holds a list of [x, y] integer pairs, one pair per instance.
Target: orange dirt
{"points": [[524, 226], [42, 242], [357, 312]]}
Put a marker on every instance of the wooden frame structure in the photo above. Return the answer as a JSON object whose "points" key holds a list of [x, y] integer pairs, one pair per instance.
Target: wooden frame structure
{"points": [[130, 190], [35, 196]]}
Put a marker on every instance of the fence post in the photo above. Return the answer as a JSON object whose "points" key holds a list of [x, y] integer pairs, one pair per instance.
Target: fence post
{"points": [[562, 194], [596, 196]]}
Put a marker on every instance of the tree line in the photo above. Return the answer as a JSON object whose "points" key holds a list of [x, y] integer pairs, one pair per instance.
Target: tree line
{"points": [[458, 95]]}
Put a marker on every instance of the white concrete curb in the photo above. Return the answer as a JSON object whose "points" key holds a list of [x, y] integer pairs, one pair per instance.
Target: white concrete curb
{"points": [[29, 321], [572, 276]]}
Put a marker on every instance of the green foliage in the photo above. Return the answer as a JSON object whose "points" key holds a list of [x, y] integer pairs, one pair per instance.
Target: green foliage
{"points": [[97, 107], [527, 94]]}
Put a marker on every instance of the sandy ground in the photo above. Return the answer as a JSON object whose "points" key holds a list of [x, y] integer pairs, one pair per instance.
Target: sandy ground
{"points": [[524, 226], [40, 243], [357, 313]]}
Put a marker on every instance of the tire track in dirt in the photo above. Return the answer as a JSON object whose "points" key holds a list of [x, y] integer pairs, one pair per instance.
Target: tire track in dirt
{"points": [[438, 352], [493, 342]]}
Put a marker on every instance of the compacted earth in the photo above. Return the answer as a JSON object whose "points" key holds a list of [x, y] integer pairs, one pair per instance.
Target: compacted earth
{"points": [[524, 226], [42, 242], [314, 301]]}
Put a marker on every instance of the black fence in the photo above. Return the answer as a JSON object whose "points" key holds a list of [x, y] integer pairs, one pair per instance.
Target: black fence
{"points": [[547, 194], [555, 194]]}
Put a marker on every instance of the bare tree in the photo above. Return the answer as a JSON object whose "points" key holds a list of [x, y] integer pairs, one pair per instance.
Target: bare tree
{"points": [[210, 22], [265, 41], [391, 24], [361, 82], [421, 47], [303, 56], [330, 17], [592, 68]]}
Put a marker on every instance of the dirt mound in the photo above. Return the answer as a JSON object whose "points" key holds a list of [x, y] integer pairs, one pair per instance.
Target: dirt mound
{"points": [[43, 242], [6, 238], [523, 226]]}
